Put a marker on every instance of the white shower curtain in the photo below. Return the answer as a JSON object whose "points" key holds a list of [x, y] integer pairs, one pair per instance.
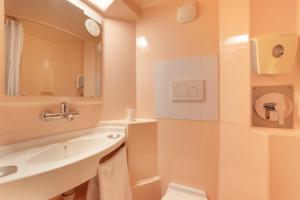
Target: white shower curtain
{"points": [[14, 34]]}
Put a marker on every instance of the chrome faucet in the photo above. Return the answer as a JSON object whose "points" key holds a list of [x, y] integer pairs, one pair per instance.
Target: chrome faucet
{"points": [[63, 114], [269, 107]]}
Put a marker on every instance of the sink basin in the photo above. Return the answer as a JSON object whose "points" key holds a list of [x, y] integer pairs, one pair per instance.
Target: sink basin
{"points": [[44, 168], [66, 150]]}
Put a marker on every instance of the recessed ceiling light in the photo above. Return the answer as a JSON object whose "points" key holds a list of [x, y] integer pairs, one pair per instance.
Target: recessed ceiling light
{"points": [[102, 4]]}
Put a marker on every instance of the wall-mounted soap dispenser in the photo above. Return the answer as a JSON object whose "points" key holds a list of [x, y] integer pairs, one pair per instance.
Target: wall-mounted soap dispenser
{"points": [[273, 53]]}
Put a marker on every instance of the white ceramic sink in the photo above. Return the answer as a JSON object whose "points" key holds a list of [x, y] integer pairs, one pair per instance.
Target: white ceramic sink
{"points": [[50, 166], [66, 150]]}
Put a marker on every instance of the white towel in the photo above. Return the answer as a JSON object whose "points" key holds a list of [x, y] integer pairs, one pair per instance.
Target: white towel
{"points": [[112, 182]]}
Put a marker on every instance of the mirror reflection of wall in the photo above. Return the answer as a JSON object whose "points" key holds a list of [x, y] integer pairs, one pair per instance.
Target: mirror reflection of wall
{"points": [[52, 49]]}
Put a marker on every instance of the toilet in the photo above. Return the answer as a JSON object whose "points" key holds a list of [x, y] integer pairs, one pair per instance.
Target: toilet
{"points": [[181, 192]]}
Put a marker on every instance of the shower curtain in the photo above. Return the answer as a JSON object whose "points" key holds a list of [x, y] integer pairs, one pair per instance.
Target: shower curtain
{"points": [[14, 34]]}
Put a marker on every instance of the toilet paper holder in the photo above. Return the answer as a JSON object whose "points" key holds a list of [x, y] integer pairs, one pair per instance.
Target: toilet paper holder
{"points": [[273, 53]]}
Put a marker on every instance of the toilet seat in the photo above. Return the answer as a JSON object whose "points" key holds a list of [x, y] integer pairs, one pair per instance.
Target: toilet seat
{"points": [[181, 192]]}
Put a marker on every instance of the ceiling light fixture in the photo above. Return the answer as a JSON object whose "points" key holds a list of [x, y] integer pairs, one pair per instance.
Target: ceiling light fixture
{"points": [[102, 4], [88, 11]]}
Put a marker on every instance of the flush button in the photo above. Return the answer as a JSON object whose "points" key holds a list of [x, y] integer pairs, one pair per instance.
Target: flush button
{"points": [[187, 90]]}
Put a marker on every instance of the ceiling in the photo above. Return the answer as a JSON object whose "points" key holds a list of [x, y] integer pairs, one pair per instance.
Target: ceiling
{"points": [[60, 12], [125, 9]]}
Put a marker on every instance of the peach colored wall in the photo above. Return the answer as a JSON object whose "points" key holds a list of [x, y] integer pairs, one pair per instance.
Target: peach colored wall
{"points": [[142, 155], [53, 57], [147, 190], [243, 170], [283, 18], [188, 150], [283, 159], [142, 151], [168, 39], [284, 167], [19, 116], [188, 154], [2, 69], [118, 69], [244, 162]]}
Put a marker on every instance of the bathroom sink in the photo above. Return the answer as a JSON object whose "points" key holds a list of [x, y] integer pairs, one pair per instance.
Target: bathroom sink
{"points": [[66, 150], [44, 168]]}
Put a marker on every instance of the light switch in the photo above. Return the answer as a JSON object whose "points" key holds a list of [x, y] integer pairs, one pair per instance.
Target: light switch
{"points": [[188, 90]]}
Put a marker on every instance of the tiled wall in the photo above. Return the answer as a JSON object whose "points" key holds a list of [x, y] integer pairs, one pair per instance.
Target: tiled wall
{"points": [[282, 17], [188, 150], [19, 116], [243, 169]]}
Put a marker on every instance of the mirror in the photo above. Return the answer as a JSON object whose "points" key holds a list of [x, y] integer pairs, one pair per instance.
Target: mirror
{"points": [[52, 49]]}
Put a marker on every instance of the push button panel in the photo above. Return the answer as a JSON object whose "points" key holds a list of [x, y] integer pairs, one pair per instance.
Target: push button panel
{"points": [[188, 90]]}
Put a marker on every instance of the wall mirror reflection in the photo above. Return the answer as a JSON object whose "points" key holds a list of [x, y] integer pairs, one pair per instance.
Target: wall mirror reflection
{"points": [[52, 49]]}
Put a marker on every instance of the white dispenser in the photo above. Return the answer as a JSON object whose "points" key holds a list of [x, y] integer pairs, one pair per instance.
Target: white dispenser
{"points": [[273, 53]]}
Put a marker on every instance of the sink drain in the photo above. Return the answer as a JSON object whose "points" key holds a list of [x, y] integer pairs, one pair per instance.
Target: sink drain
{"points": [[8, 170], [114, 136]]}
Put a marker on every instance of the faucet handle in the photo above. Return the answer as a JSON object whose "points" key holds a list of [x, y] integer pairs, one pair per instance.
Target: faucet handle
{"points": [[64, 107], [64, 113], [270, 106], [48, 115], [70, 115]]}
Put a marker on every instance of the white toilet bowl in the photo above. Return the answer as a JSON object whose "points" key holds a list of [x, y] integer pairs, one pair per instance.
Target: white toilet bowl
{"points": [[181, 192]]}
